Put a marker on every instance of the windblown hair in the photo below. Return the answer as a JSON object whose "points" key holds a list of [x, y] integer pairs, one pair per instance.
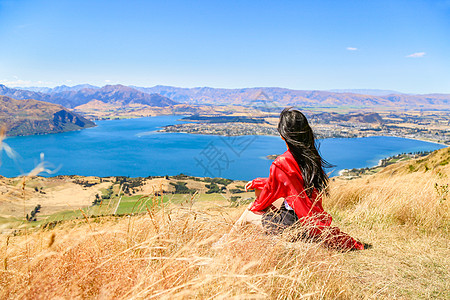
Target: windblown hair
{"points": [[297, 133]]}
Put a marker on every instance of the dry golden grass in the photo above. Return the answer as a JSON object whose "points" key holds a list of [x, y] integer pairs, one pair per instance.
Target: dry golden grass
{"points": [[404, 211], [168, 253], [406, 193], [165, 255]]}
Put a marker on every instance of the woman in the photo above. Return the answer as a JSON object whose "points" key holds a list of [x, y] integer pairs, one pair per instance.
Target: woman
{"points": [[298, 177]]}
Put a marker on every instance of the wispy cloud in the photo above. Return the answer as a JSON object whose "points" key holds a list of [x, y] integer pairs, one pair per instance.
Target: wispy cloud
{"points": [[16, 82], [417, 54], [352, 49]]}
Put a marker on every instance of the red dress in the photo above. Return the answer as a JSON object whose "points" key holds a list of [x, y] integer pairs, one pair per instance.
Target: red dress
{"points": [[285, 181]]}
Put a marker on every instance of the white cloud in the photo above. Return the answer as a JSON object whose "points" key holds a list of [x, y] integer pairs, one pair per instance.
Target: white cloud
{"points": [[23, 83], [107, 80], [17, 82], [417, 54], [352, 49]]}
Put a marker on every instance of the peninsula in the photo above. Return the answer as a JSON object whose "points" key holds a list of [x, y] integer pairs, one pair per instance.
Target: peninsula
{"points": [[418, 124], [29, 117]]}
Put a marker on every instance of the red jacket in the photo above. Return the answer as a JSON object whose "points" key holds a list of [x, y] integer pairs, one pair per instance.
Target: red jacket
{"points": [[285, 181]]}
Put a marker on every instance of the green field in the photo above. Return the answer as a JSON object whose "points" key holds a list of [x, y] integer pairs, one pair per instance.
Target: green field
{"points": [[128, 205]]}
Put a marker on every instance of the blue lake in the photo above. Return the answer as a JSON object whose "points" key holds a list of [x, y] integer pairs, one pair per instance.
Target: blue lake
{"points": [[132, 147]]}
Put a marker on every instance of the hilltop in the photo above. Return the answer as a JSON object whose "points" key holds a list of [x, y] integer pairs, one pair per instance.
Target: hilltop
{"points": [[27, 117], [163, 248]]}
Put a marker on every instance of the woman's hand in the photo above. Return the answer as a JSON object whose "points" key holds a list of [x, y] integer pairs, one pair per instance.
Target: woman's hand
{"points": [[248, 187]]}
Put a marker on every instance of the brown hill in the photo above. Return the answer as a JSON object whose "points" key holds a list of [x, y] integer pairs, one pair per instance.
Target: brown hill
{"points": [[27, 117]]}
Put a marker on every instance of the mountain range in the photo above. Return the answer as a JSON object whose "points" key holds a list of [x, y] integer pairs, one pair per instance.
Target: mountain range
{"points": [[58, 89], [287, 97], [372, 92], [164, 96], [79, 95], [27, 117]]}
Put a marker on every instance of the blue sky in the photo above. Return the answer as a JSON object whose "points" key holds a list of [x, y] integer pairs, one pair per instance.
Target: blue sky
{"points": [[398, 45]]}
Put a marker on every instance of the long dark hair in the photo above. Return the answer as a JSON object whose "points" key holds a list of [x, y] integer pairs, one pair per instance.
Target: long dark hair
{"points": [[297, 133]]}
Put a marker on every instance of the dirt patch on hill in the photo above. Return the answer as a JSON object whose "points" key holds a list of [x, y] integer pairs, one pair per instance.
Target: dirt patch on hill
{"points": [[53, 194]]}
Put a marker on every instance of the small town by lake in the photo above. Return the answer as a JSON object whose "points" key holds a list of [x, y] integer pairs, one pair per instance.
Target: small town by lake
{"points": [[133, 147]]}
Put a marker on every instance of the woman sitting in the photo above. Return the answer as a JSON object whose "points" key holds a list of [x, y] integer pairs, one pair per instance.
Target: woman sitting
{"points": [[298, 177]]}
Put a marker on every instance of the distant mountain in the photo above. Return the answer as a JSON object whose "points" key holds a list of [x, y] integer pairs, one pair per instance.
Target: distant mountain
{"points": [[117, 94], [37, 89], [28, 117], [285, 97], [58, 89], [372, 92], [22, 94], [163, 96], [75, 88]]}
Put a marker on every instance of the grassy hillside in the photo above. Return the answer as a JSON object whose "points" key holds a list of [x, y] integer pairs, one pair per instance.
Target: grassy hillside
{"points": [[167, 252]]}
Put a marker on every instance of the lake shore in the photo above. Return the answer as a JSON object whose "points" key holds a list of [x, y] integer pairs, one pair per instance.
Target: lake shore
{"points": [[243, 129]]}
